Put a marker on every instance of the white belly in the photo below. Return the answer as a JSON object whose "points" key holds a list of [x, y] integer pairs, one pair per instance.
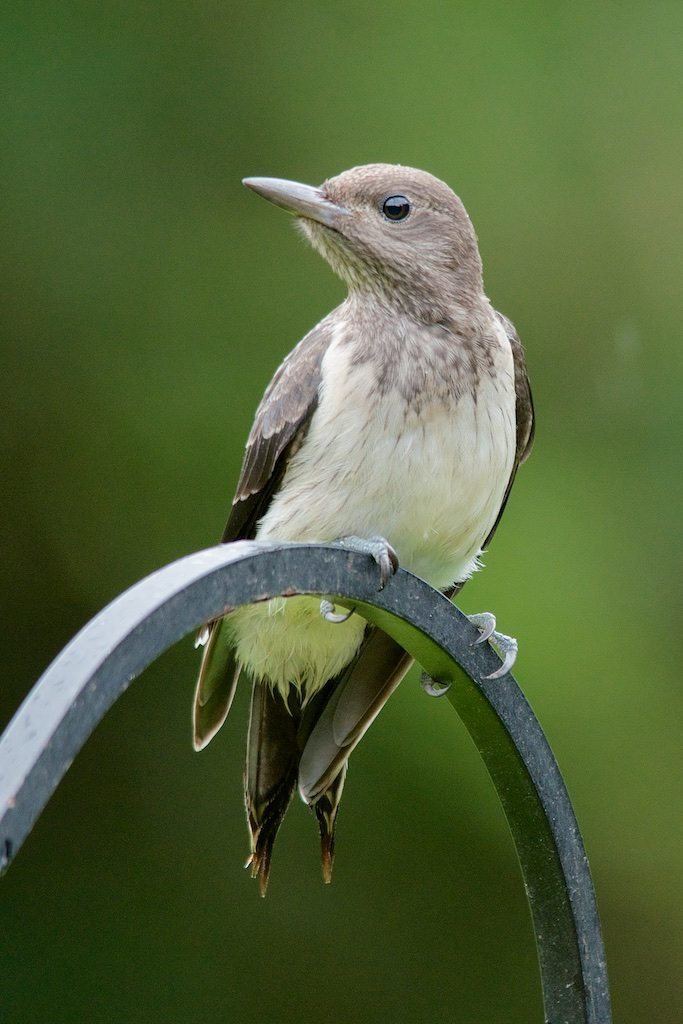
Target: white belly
{"points": [[429, 477]]}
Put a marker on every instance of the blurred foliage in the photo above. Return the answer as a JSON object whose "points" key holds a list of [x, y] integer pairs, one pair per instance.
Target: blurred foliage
{"points": [[146, 300]]}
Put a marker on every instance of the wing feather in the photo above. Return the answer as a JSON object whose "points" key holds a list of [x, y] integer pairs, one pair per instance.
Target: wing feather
{"points": [[279, 427], [524, 407], [281, 422], [524, 413], [362, 692]]}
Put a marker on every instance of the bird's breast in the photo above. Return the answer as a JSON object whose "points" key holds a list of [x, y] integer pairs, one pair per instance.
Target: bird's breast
{"points": [[425, 466]]}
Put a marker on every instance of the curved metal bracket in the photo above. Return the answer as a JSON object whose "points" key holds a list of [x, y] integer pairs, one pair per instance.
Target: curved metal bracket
{"points": [[77, 690]]}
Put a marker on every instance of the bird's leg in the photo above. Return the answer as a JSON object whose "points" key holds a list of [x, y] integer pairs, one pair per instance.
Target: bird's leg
{"points": [[506, 647], [380, 549], [328, 613], [432, 687]]}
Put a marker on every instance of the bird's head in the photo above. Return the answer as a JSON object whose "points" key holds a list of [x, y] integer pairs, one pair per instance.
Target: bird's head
{"points": [[389, 230]]}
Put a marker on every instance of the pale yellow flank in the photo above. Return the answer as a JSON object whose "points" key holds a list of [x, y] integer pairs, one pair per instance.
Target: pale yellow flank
{"points": [[287, 642]]}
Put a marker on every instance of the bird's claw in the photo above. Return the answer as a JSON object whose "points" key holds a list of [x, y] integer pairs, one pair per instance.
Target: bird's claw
{"points": [[506, 647], [485, 623], [432, 687], [328, 613], [380, 549]]}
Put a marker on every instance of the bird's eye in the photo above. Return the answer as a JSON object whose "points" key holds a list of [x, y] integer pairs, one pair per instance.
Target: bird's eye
{"points": [[396, 208]]}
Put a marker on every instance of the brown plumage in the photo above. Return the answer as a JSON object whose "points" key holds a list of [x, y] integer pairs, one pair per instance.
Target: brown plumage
{"points": [[417, 361]]}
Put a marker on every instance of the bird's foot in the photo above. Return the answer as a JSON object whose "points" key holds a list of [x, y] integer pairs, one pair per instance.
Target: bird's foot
{"points": [[506, 647], [380, 549], [432, 687], [328, 613]]}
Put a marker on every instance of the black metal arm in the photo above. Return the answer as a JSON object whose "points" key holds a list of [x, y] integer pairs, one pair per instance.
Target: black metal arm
{"points": [[83, 682]]}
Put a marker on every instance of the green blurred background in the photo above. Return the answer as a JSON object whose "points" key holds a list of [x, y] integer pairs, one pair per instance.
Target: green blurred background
{"points": [[146, 300]]}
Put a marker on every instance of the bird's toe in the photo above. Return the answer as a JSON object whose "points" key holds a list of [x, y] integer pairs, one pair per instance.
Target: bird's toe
{"points": [[380, 549], [432, 687], [328, 613], [485, 623], [506, 647]]}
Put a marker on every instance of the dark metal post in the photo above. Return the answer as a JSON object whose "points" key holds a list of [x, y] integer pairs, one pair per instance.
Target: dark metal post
{"points": [[83, 682]]}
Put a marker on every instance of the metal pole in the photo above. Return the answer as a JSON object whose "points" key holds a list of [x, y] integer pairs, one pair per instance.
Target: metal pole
{"points": [[83, 682]]}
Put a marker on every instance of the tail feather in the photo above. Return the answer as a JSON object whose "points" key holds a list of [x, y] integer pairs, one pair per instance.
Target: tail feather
{"points": [[326, 808], [291, 743], [216, 685], [278, 731], [270, 775]]}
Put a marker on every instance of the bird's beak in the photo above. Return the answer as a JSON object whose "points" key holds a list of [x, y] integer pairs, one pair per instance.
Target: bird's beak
{"points": [[302, 200]]}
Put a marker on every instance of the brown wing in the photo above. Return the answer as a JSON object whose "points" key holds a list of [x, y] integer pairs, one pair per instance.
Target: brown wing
{"points": [[362, 692], [280, 425], [524, 406], [524, 412]]}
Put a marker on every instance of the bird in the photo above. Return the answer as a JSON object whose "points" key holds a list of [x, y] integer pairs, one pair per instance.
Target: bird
{"points": [[396, 427]]}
